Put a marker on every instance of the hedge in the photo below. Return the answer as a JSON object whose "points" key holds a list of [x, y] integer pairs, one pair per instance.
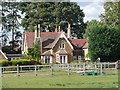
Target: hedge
{"points": [[19, 62]]}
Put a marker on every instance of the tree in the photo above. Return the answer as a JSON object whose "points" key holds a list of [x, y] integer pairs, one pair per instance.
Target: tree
{"points": [[104, 42], [10, 18], [52, 14], [111, 13], [89, 24], [35, 52]]}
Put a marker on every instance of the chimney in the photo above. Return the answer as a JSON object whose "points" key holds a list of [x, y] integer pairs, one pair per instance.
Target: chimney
{"points": [[69, 31], [57, 29], [37, 32]]}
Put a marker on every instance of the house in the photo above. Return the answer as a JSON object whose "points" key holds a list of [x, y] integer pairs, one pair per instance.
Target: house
{"points": [[56, 46], [11, 54]]}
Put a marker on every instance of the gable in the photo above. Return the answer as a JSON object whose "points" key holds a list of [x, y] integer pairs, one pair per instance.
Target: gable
{"points": [[61, 36]]}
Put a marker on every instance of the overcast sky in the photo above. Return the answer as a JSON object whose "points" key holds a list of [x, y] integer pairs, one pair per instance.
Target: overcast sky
{"points": [[91, 9]]}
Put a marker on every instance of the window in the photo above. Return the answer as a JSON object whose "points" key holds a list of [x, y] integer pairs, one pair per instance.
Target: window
{"points": [[60, 59], [62, 46], [47, 59], [63, 59]]}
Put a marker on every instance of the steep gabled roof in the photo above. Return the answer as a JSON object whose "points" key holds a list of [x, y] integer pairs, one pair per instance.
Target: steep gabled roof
{"points": [[47, 38], [62, 35]]}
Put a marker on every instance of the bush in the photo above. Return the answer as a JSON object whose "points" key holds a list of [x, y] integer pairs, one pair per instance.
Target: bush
{"points": [[75, 61], [25, 62], [19, 62], [14, 62], [4, 62]]}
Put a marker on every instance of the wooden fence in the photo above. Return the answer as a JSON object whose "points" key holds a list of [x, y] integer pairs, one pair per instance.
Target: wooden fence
{"points": [[69, 68]]}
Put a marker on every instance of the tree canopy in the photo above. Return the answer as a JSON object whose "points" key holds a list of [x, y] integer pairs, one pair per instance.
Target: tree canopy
{"points": [[10, 19], [111, 13], [51, 14], [104, 42]]}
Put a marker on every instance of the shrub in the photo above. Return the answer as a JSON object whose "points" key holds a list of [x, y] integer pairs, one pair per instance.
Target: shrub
{"points": [[75, 61], [19, 62], [14, 62], [25, 62], [4, 63]]}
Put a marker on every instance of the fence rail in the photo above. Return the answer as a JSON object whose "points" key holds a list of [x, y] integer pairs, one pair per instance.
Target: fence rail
{"points": [[69, 68]]}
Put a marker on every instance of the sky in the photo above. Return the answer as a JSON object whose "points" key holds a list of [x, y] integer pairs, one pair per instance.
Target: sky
{"points": [[91, 9]]}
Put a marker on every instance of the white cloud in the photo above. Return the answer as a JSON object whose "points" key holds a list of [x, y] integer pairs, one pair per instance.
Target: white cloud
{"points": [[92, 10]]}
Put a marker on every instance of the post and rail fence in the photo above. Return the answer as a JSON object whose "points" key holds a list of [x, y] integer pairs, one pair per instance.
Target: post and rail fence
{"points": [[69, 68]]}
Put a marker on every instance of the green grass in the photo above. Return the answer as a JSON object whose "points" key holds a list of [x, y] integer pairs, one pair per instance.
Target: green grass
{"points": [[61, 81]]}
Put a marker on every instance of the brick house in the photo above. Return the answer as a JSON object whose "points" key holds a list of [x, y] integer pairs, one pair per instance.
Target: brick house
{"points": [[56, 46]]}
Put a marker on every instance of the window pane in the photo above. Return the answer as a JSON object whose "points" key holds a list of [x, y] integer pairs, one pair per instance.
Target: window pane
{"points": [[62, 46]]}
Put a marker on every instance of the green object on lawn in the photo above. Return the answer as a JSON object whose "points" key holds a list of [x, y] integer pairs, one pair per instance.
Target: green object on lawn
{"points": [[86, 73], [93, 73]]}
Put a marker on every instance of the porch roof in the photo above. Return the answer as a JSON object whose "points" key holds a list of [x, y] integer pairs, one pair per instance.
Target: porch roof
{"points": [[49, 52], [62, 52]]}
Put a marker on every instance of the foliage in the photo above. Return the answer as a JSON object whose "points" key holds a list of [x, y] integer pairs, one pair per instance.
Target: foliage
{"points": [[34, 52], [75, 61], [110, 16], [19, 62], [51, 14], [4, 62], [104, 42], [9, 50], [10, 19]]}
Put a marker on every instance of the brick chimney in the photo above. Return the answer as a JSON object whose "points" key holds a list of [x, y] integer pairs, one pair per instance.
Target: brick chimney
{"points": [[38, 36], [37, 33], [69, 31], [57, 29]]}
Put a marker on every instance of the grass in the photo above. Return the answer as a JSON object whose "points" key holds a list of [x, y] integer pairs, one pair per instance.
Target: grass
{"points": [[61, 81]]}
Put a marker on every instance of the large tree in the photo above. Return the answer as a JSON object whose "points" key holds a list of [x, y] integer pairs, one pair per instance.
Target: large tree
{"points": [[10, 19], [104, 42], [52, 14], [111, 13]]}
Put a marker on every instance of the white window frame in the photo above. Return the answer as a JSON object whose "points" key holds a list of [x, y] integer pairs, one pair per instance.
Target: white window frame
{"points": [[62, 46], [63, 59], [49, 59]]}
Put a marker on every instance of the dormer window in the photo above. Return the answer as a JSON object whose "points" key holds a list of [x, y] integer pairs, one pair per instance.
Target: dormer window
{"points": [[62, 46]]}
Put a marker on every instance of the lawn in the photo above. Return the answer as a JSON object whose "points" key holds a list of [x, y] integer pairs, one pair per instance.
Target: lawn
{"points": [[61, 81]]}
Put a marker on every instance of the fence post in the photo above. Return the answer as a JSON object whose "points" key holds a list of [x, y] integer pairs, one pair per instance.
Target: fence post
{"points": [[51, 69], [84, 68], [68, 69], [18, 70], [101, 68], [0, 71], [116, 67], [108, 65], [35, 70]]}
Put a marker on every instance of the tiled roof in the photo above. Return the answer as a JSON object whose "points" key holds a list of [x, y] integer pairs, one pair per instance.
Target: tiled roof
{"points": [[79, 43], [85, 46], [47, 38], [49, 52]]}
